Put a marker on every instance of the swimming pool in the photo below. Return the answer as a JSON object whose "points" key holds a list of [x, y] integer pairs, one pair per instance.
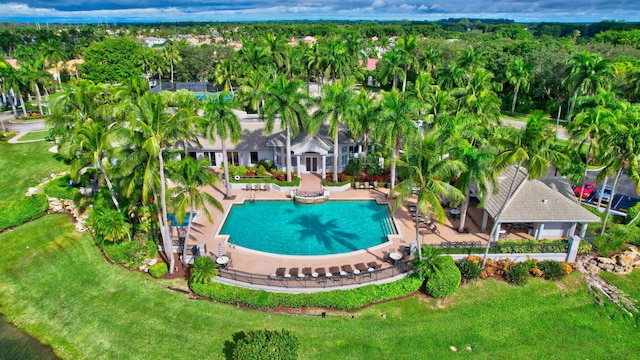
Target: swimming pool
{"points": [[289, 228]]}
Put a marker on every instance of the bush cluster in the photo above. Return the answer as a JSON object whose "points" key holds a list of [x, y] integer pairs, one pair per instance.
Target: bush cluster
{"points": [[204, 268], [60, 188], [615, 238], [548, 269], [6, 135], [130, 253], [19, 211], [266, 344], [445, 281], [338, 299], [158, 269], [551, 270], [532, 246], [517, 274]]}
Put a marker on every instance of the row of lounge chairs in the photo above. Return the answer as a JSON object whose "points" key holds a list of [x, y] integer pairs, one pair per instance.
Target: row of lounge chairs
{"points": [[256, 187], [320, 273]]}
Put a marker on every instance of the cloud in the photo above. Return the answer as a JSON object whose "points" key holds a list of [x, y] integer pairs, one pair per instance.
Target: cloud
{"points": [[248, 10]]}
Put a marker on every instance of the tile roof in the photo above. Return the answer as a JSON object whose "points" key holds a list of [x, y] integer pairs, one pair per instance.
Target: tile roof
{"points": [[547, 200]]}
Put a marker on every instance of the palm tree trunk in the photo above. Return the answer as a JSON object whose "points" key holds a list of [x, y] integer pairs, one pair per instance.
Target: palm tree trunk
{"points": [[186, 239], [613, 192], [394, 158], [24, 108], [366, 145], [463, 210], [572, 104], [395, 79], [404, 79], [515, 98], [109, 184], [288, 155], [606, 179], [586, 167], [335, 157], [13, 103], [39, 100], [225, 165], [171, 71], [418, 235], [165, 222]]}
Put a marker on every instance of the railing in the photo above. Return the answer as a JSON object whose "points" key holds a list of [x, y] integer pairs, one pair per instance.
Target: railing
{"points": [[364, 277]]}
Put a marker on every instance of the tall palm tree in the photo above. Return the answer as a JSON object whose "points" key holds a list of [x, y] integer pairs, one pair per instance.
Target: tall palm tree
{"points": [[338, 106], [407, 45], [190, 176], [224, 74], [426, 168], [367, 108], [587, 73], [284, 100], [621, 144], [277, 50], [397, 123], [390, 67], [173, 55], [251, 89], [155, 129], [518, 75], [221, 122]]}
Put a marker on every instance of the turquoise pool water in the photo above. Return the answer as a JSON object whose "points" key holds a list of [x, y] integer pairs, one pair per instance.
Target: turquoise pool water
{"points": [[285, 227]]}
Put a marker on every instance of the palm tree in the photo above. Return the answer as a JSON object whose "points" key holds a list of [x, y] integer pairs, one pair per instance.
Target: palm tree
{"points": [[587, 74], [407, 45], [190, 176], [518, 74], [111, 225], [285, 100], [367, 109], [277, 50], [390, 66], [427, 169], [221, 122], [173, 55], [251, 91], [155, 129], [223, 74], [621, 144], [397, 124], [338, 105]]}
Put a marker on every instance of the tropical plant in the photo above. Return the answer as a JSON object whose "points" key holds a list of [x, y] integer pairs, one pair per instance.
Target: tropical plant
{"points": [[445, 281], [203, 270], [518, 75], [173, 55], [587, 73], [221, 122], [284, 100], [517, 274], [110, 225]]}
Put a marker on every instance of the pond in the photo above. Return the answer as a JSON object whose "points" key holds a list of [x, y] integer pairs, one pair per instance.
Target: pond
{"points": [[15, 344]]}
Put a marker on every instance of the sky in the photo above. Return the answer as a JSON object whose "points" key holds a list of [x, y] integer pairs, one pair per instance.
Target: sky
{"points": [[111, 11]]}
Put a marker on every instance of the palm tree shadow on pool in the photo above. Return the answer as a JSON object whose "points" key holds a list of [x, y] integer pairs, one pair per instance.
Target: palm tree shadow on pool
{"points": [[325, 233]]}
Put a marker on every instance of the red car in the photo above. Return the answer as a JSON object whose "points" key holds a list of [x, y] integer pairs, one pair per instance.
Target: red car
{"points": [[589, 188]]}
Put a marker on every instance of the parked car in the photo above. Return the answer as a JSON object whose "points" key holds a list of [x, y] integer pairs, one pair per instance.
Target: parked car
{"points": [[606, 195], [589, 188]]}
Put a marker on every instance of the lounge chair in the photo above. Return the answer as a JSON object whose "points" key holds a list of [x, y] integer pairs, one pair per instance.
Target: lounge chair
{"points": [[247, 187], [361, 267], [280, 272], [334, 270], [293, 272], [254, 187], [307, 271], [264, 187], [366, 185], [321, 272], [357, 185], [347, 271], [374, 265]]}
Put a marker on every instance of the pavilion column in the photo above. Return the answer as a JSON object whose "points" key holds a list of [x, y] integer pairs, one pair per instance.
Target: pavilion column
{"points": [[298, 167], [324, 166], [572, 230], [496, 236], [539, 231], [485, 217], [583, 230]]}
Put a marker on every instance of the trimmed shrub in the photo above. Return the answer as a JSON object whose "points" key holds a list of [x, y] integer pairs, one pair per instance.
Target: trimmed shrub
{"points": [[445, 281], [266, 164], [517, 274], [267, 344], [4, 136], [469, 269], [60, 188], [158, 269], [19, 211], [551, 270], [337, 299], [204, 268], [130, 253]]}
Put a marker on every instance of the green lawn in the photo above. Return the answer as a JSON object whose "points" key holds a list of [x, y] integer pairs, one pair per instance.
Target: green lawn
{"points": [[35, 135], [55, 285], [630, 284], [23, 166]]}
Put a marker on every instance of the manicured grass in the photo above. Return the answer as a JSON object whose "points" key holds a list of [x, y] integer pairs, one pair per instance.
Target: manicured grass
{"points": [[23, 166], [629, 284], [35, 135], [55, 285]]}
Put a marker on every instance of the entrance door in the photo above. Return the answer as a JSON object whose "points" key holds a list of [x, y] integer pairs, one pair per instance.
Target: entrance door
{"points": [[308, 161], [315, 164], [312, 164]]}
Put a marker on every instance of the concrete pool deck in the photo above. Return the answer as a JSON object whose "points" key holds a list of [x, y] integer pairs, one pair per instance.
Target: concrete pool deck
{"points": [[251, 261]]}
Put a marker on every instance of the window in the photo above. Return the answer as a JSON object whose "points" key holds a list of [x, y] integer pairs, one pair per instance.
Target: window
{"points": [[254, 157], [345, 159], [233, 158]]}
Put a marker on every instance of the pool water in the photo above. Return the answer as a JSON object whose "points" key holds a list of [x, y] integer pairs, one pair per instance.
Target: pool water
{"points": [[285, 227]]}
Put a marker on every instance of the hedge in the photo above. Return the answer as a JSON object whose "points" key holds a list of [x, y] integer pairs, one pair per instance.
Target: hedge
{"points": [[338, 299], [60, 189], [267, 344], [19, 211], [444, 282]]}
